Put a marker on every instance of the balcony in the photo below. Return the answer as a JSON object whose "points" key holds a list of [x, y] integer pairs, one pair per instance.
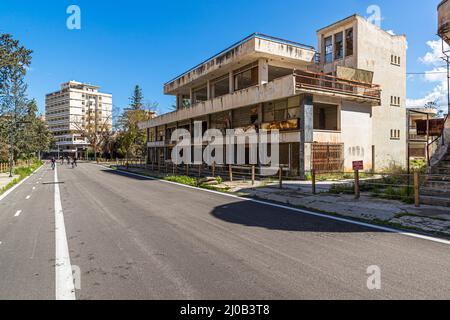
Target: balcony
{"points": [[319, 83], [295, 84]]}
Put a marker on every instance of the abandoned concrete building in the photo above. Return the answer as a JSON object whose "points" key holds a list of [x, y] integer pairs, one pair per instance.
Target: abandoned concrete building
{"points": [[340, 103]]}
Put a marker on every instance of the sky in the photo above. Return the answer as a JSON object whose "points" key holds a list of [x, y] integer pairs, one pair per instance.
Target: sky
{"points": [[124, 43]]}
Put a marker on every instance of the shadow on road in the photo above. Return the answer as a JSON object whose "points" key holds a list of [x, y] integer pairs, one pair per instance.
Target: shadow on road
{"points": [[125, 174], [252, 214]]}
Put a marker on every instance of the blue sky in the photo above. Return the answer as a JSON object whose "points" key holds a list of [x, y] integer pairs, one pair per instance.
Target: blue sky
{"points": [[124, 43]]}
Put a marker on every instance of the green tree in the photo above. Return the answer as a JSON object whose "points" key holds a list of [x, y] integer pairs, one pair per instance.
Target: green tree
{"points": [[14, 60], [136, 99], [34, 136], [131, 141]]}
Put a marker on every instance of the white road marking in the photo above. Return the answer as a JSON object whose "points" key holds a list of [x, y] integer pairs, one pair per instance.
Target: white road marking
{"points": [[64, 285], [34, 188], [28, 197], [302, 211], [18, 213]]}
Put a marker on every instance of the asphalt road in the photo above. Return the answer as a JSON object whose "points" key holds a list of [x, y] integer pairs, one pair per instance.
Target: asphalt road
{"points": [[134, 238]]}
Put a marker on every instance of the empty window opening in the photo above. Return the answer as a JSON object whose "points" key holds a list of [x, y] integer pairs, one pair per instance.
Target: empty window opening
{"points": [[220, 86], [328, 49], [200, 94], [326, 117], [349, 42], [246, 77], [278, 72], [338, 46]]}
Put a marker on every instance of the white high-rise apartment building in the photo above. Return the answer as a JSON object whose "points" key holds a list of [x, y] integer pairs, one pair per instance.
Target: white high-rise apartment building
{"points": [[73, 112]]}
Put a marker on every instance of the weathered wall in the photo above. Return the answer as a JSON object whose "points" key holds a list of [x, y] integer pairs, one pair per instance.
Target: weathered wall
{"points": [[356, 134], [375, 48]]}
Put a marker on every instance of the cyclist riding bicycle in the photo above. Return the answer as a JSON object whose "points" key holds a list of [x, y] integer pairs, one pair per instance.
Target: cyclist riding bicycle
{"points": [[53, 163]]}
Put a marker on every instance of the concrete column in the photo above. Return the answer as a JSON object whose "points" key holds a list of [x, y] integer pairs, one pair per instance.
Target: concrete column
{"points": [[179, 101], [306, 134], [208, 121], [231, 81], [208, 90], [260, 113], [263, 71]]}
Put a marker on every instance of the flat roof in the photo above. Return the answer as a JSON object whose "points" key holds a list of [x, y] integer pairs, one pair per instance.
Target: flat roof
{"points": [[250, 37], [340, 21]]}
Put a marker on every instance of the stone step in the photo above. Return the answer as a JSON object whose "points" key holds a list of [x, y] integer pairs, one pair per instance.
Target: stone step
{"points": [[435, 201], [435, 192], [438, 184], [441, 170], [445, 162]]}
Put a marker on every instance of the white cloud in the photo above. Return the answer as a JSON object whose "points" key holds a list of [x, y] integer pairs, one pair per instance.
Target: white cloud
{"points": [[437, 75], [434, 57]]}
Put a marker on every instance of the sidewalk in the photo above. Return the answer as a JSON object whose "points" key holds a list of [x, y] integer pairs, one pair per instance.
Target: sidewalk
{"points": [[5, 179], [426, 218]]}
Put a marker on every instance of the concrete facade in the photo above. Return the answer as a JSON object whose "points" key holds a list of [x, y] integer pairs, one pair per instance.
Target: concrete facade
{"points": [[69, 111], [385, 55], [266, 82]]}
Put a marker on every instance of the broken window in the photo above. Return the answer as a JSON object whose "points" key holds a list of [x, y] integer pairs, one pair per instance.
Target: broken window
{"points": [[328, 49], [282, 111], [220, 121], [246, 77], [326, 117], [244, 117], [338, 46], [349, 42], [220, 86], [200, 94]]}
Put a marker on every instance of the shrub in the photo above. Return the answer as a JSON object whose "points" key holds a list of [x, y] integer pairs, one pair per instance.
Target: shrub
{"points": [[183, 180]]}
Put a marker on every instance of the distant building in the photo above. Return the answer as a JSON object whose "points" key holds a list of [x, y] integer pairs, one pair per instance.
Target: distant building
{"points": [[341, 103], [74, 111], [418, 142]]}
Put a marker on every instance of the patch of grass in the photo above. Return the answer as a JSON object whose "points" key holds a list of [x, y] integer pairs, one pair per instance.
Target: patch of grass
{"points": [[183, 180], [22, 172], [339, 176], [341, 189]]}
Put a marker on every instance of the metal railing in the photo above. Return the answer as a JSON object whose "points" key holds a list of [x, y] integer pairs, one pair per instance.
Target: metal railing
{"points": [[324, 82]]}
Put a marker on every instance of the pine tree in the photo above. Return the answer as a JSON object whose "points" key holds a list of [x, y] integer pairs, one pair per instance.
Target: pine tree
{"points": [[136, 99]]}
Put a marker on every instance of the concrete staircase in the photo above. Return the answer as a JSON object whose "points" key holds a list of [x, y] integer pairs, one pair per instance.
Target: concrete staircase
{"points": [[436, 190]]}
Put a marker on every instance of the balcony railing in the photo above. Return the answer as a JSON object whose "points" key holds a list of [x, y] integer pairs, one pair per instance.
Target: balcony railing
{"points": [[324, 82]]}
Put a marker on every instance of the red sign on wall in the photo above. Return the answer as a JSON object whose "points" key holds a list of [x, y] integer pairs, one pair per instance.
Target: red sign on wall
{"points": [[358, 165]]}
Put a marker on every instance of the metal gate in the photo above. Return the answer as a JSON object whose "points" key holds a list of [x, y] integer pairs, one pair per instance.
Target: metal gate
{"points": [[328, 157]]}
